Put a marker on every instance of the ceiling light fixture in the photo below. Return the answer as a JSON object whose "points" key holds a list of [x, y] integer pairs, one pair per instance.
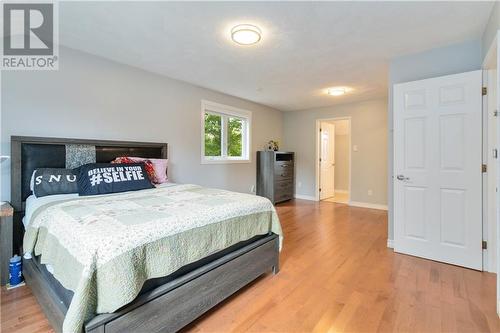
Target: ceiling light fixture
{"points": [[246, 34], [337, 91]]}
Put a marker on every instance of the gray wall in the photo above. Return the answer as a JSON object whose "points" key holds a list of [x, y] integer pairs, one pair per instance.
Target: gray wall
{"points": [[342, 162], [447, 60], [369, 133], [90, 97]]}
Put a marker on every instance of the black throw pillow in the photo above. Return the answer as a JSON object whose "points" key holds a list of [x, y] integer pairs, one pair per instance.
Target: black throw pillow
{"points": [[104, 178], [51, 181]]}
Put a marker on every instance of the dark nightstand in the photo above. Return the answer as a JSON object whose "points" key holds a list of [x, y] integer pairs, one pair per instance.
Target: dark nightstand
{"points": [[6, 213]]}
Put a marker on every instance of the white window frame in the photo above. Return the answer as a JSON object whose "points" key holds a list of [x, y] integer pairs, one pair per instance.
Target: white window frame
{"points": [[226, 111]]}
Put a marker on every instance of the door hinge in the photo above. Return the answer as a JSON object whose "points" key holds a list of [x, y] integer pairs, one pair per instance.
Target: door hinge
{"points": [[320, 159], [484, 168], [495, 113], [320, 189], [485, 245], [495, 153], [485, 91], [320, 129]]}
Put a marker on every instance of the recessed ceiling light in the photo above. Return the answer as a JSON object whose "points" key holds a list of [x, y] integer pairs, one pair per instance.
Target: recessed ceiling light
{"points": [[246, 34], [337, 91]]}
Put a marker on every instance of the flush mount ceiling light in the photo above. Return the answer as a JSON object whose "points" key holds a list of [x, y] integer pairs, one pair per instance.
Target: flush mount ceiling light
{"points": [[246, 34], [336, 91]]}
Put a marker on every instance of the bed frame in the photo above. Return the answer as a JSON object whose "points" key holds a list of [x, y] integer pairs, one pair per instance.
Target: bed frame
{"points": [[166, 308]]}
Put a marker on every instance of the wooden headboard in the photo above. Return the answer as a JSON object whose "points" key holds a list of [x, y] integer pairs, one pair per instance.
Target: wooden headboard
{"points": [[29, 153]]}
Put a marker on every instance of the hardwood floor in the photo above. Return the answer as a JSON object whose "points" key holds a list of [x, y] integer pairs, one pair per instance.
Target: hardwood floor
{"points": [[336, 275], [339, 197]]}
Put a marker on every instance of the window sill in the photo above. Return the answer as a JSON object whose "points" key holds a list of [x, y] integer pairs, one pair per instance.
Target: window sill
{"points": [[225, 161]]}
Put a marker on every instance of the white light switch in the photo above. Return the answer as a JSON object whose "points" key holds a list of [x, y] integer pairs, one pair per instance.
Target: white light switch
{"points": [[355, 147]]}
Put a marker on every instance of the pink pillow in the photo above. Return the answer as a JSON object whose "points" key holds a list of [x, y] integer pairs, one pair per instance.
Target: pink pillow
{"points": [[160, 165]]}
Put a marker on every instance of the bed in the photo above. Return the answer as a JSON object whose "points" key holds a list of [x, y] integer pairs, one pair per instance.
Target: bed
{"points": [[99, 266]]}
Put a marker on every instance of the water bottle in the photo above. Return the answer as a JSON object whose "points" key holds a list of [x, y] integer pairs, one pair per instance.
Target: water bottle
{"points": [[15, 270]]}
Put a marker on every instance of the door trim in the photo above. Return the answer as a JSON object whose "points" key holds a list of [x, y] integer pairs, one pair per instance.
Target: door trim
{"points": [[490, 255], [318, 153], [489, 195]]}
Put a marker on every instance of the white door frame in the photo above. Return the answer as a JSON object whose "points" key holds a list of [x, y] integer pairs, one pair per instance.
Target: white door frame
{"points": [[492, 61], [318, 153], [490, 255]]}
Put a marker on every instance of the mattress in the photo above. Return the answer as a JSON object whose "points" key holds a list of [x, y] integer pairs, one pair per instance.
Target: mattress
{"points": [[33, 203]]}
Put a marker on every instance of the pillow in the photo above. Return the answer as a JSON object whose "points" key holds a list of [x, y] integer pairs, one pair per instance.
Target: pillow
{"points": [[147, 164], [160, 168], [32, 181], [104, 178], [50, 181]]}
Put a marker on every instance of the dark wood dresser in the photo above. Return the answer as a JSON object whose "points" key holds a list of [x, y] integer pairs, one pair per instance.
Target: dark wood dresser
{"points": [[276, 175]]}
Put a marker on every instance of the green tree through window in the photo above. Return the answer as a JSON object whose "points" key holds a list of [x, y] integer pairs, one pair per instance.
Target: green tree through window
{"points": [[225, 136], [213, 134], [235, 137]]}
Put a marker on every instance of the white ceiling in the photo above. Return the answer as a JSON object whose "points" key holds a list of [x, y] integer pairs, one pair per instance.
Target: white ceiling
{"points": [[305, 46]]}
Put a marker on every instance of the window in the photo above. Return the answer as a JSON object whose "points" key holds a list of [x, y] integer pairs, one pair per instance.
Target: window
{"points": [[225, 136]]}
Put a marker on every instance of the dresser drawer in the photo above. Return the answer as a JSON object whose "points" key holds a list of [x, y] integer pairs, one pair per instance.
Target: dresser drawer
{"points": [[283, 164], [279, 197], [283, 190], [283, 186], [283, 171]]}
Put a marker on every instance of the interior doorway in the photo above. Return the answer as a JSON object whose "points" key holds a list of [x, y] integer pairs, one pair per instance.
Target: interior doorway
{"points": [[334, 160]]}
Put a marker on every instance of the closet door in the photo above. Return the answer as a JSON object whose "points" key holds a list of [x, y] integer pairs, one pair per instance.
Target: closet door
{"points": [[437, 169]]}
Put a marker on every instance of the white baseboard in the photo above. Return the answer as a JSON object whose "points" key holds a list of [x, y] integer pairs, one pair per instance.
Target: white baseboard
{"points": [[367, 205], [390, 243], [305, 197], [341, 191]]}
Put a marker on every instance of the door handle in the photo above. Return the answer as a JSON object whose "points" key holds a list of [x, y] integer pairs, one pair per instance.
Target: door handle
{"points": [[402, 177]]}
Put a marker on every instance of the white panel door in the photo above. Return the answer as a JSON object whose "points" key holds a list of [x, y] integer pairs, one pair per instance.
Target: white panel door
{"points": [[327, 175], [437, 169]]}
